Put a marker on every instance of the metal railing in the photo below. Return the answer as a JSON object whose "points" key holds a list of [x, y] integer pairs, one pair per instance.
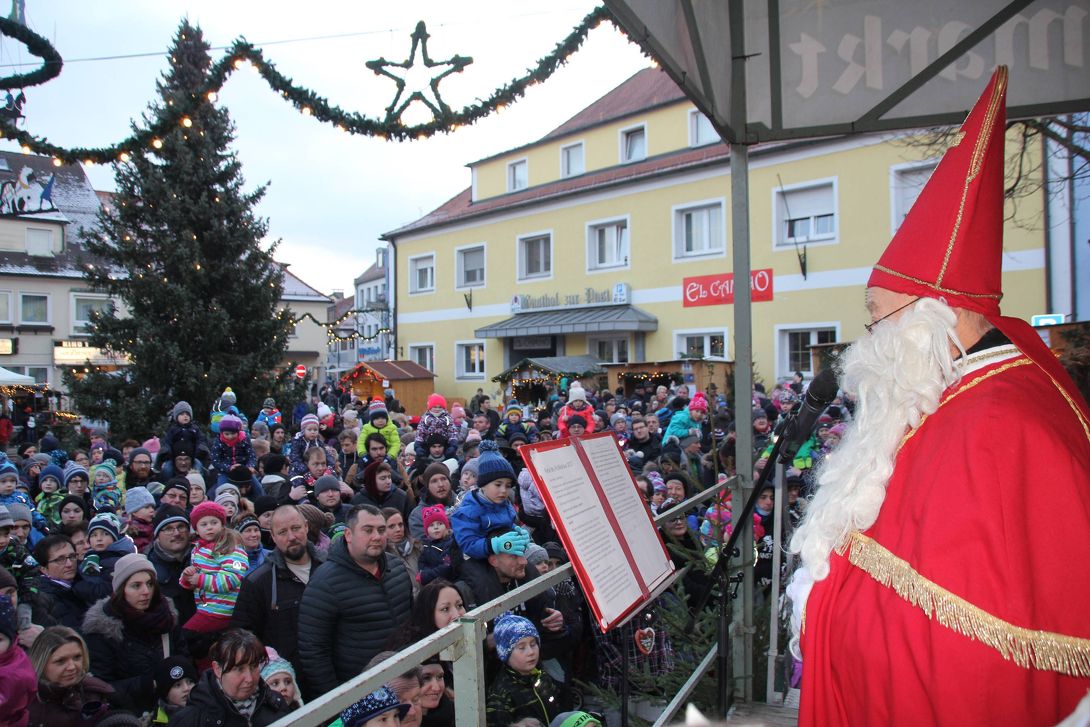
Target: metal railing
{"points": [[462, 644]]}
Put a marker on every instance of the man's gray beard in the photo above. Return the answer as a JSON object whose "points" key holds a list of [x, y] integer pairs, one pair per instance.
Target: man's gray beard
{"points": [[897, 375]]}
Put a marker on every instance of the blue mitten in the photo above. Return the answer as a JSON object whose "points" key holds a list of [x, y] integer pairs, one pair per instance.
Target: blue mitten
{"points": [[513, 543]]}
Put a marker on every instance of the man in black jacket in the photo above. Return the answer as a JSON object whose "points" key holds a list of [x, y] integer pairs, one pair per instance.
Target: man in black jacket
{"points": [[352, 605], [169, 553], [268, 602]]}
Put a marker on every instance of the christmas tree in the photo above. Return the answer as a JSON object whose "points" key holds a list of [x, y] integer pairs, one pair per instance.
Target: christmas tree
{"points": [[181, 251]]}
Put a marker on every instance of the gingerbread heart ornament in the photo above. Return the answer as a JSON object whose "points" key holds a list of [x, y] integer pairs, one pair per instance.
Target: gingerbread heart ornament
{"points": [[645, 640]]}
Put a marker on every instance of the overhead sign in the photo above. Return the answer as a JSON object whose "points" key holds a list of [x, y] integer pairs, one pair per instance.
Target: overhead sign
{"points": [[619, 294], [1047, 319], [300, 371], [82, 353], [719, 289]]}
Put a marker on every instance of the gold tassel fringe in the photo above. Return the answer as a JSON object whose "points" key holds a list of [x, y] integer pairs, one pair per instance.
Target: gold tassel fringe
{"points": [[1025, 647]]}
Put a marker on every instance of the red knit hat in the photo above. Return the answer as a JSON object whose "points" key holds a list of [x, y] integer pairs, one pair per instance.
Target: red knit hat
{"points": [[434, 513], [205, 509], [437, 400], [950, 245], [698, 403]]}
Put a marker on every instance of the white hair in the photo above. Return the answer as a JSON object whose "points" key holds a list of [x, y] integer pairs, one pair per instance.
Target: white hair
{"points": [[897, 375]]}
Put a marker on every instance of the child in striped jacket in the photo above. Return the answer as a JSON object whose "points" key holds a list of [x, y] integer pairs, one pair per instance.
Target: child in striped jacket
{"points": [[218, 565]]}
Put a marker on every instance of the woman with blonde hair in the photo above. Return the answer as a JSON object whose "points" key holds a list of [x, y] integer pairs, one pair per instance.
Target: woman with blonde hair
{"points": [[67, 694]]}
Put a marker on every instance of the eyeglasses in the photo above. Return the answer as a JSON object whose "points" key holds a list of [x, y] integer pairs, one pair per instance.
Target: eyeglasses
{"points": [[142, 461], [870, 326], [61, 559]]}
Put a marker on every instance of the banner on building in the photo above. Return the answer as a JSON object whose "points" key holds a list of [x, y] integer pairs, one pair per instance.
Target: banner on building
{"points": [[719, 289]]}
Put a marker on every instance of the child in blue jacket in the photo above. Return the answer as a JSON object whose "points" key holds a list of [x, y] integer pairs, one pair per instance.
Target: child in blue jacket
{"points": [[487, 508]]}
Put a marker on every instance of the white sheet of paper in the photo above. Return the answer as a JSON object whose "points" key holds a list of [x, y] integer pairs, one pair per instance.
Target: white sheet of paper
{"points": [[614, 586], [639, 533]]}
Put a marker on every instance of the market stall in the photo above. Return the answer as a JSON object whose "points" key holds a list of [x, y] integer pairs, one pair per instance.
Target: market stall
{"points": [[711, 377], [411, 382], [532, 380]]}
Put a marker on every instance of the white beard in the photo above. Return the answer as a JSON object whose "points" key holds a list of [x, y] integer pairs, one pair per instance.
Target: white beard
{"points": [[897, 375]]}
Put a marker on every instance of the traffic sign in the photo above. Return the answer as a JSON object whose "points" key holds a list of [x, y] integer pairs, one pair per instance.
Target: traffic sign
{"points": [[300, 371], [1047, 319]]}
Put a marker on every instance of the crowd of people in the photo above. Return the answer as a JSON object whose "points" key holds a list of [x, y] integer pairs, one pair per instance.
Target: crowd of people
{"points": [[227, 573]]}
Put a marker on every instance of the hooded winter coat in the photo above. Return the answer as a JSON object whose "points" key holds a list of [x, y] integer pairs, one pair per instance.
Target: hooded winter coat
{"points": [[80, 706], [347, 614], [209, 707], [17, 688], [124, 651]]}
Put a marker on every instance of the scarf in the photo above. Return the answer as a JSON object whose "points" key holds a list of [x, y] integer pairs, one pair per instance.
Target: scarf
{"points": [[404, 547], [159, 619], [245, 707]]}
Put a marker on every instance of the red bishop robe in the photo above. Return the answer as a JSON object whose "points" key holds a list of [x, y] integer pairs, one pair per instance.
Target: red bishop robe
{"points": [[967, 601]]}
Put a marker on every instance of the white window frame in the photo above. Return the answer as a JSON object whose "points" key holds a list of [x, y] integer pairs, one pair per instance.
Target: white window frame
{"points": [[459, 372], [77, 325], [567, 172], [50, 249], [520, 262], [524, 162], [411, 267], [48, 309], [622, 136], [780, 241], [11, 302], [593, 266], [676, 213], [25, 371], [780, 344], [896, 215], [707, 332], [593, 341], [695, 118], [459, 283], [416, 347]]}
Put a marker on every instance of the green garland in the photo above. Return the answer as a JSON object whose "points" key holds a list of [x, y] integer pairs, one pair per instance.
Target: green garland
{"points": [[37, 45], [331, 326], [304, 99]]}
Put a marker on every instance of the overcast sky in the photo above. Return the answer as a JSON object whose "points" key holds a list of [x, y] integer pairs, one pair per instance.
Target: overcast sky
{"points": [[331, 194]]}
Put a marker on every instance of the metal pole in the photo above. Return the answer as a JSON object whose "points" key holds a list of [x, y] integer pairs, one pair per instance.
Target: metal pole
{"points": [[779, 510]]}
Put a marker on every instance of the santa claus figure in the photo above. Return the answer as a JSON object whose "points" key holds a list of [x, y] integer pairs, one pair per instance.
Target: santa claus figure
{"points": [[946, 553]]}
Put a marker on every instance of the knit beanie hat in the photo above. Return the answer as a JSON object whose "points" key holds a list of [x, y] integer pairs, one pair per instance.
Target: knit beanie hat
{"points": [[152, 446], [169, 672], [129, 565], [435, 468], [434, 513], [269, 403], [230, 423], [196, 480], [377, 703], [350, 415], [264, 504], [136, 498], [182, 407], [207, 509], [74, 500], [698, 402], [7, 467], [577, 419], [556, 551], [106, 521], [308, 419], [535, 554], [457, 412], [508, 629], [437, 400], [317, 520], [324, 411], [471, 465], [19, 511], [239, 476], [325, 483], [577, 393], [759, 414], [51, 471], [223, 497], [5, 517], [177, 483], [491, 465], [246, 521], [8, 621], [276, 665], [838, 430], [473, 437], [228, 397], [108, 467], [73, 469], [167, 514]]}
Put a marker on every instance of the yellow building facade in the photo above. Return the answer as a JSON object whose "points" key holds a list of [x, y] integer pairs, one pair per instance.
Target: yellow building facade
{"points": [[611, 237]]}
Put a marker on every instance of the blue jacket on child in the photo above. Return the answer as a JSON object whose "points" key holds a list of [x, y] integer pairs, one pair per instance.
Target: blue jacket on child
{"points": [[475, 518]]}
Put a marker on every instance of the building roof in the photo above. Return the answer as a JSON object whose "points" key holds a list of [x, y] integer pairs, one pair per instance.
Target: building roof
{"points": [[375, 272], [339, 308], [461, 206], [594, 319], [296, 289], [399, 370], [77, 206]]}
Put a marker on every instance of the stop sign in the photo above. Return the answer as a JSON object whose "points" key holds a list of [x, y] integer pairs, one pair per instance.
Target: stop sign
{"points": [[300, 371]]}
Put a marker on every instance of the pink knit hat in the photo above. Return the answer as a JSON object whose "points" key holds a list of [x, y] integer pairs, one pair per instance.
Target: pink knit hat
{"points": [[206, 509]]}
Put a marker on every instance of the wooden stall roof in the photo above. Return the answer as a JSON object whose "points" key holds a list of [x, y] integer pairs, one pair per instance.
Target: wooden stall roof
{"points": [[573, 366], [399, 370]]}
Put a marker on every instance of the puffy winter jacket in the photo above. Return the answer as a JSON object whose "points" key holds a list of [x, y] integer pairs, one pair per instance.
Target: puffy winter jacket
{"points": [[209, 707], [347, 615], [474, 518]]}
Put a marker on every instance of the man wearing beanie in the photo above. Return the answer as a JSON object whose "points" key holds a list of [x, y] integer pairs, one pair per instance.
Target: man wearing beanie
{"points": [[169, 554], [327, 497], [263, 510], [176, 493]]}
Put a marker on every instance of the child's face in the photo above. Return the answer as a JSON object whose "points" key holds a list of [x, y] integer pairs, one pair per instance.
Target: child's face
{"points": [[386, 719], [437, 410], [178, 695], [21, 531], [468, 479], [379, 422], [251, 538], [544, 567], [553, 564], [265, 520], [49, 485], [284, 685], [316, 466], [209, 528], [436, 450], [184, 418], [523, 658], [437, 530], [145, 514], [658, 497], [5, 536], [97, 455], [7, 483], [102, 477], [100, 540], [229, 436], [329, 498], [230, 508], [310, 431], [77, 485], [496, 490]]}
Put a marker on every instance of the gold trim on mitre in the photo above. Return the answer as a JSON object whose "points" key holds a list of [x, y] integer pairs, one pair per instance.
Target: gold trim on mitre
{"points": [[1028, 648]]}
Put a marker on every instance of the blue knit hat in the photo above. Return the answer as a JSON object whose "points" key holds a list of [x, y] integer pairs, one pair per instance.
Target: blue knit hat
{"points": [[7, 466], [380, 701], [74, 469], [51, 471], [507, 631], [107, 522], [491, 465]]}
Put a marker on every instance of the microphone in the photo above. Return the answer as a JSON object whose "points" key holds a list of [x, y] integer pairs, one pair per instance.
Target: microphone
{"points": [[798, 429]]}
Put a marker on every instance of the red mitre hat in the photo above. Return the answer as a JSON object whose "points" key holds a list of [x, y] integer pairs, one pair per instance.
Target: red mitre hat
{"points": [[950, 244]]}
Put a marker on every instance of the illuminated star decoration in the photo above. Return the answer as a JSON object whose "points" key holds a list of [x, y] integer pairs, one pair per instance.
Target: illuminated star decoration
{"points": [[435, 103]]}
